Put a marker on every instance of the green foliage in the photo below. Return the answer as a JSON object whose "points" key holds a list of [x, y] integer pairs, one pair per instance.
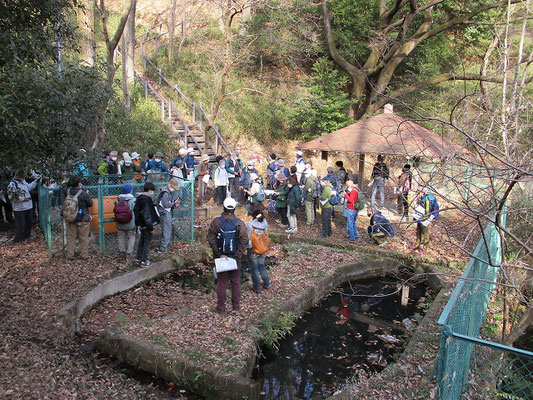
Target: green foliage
{"points": [[122, 318], [272, 329], [325, 108], [141, 131]]}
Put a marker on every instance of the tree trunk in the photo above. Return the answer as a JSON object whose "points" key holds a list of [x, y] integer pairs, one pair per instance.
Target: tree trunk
{"points": [[246, 17], [171, 30], [520, 327], [85, 18], [128, 57]]}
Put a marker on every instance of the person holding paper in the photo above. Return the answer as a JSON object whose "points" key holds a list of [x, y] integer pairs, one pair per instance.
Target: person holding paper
{"points": [[426, 211], [228, 238]]}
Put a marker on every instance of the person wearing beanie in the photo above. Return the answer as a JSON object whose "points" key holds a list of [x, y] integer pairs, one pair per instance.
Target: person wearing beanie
{"points": [[218, 241], [126, 229], [167, 201]]}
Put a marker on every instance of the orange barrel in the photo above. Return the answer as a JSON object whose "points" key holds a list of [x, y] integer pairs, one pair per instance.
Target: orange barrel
{"points": [[109, 205]]}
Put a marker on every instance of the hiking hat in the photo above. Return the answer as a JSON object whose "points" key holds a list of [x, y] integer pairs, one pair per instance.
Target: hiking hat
{"points": [[330, 170], [205, 157], [250, 162], [127, 188], [174, 183], [159, 154], [135, 155], [127, 158], [280, 162], [230, 203], [182, 152], [281, 176], [299, 153], [190, 150], [253, 176], [425, 190]]}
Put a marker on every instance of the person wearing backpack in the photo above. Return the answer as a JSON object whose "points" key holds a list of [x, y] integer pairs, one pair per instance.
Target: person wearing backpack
{"points": [[282, 190], [350, 212], [429, 204], [311, 192], [125, 219], [246, 181], [258, 243], [293, 202], [146, 218], [165, 204], [380, 228], [256, 194], [76, 214], [324, 199], [228, 237], [18, 191]]}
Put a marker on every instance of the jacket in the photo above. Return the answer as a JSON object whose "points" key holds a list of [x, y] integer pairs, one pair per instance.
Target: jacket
{"points": [[19, 194], [246, 181], [285, 171], [380, 170], [113, 168], [233, 167], [281, 199], [84, 202], [146, 216], [155, 166], [378, 223], [131, 203], [102, 168], [253, 192], [431, 207], [189, 161], [326, 195], [351, 198], [165, 202], [203, 169], [214, 229], [404, 182], [138, 169], [259, 225], [221, 177], [309, 188], [295, 197]]}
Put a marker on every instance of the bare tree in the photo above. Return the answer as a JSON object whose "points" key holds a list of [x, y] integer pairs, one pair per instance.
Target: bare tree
{"points": [[85, 17], [128, 57]]}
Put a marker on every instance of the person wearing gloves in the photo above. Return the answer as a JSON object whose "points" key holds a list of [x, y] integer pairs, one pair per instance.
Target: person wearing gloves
{"points": [[257, 256], [293, 202], [351, 195], [310, 193], [426, 211], [126, 231], [166, 203], [380, 227], [18, 191]]}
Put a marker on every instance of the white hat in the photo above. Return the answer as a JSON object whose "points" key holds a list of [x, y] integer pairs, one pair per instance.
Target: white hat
{"points": [[182, 152], [253, 176], [135, 155], [425, 190], [230, 203], [250, 162], [127, 158], [190, 150], [299, 153]]}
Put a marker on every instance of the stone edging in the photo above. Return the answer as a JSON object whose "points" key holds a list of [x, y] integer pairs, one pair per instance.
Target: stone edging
{"points": [[71, 313]]}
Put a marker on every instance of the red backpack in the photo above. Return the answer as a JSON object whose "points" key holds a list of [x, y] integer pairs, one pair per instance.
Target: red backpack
{"points": [[122, 210]]}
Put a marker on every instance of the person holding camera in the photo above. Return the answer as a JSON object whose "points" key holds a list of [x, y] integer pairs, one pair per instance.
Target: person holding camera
{"points": [[80, 225]]}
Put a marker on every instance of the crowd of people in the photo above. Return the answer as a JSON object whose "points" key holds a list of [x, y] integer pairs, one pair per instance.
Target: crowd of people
{"points": [[274, 188]]}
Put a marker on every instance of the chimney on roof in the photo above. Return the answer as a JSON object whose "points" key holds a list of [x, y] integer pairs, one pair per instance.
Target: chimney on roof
{"points": [[388, 109]]}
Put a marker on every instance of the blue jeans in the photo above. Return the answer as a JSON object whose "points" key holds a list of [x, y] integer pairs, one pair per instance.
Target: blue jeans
{"points": [[257, 266], [351, 217], [379, 184]]}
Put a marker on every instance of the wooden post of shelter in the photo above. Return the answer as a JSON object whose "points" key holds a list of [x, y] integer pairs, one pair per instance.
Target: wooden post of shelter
{"points": [[361, 169]]}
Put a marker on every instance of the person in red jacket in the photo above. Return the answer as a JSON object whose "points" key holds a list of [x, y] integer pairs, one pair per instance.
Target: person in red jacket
{"points": [[351, 194]]}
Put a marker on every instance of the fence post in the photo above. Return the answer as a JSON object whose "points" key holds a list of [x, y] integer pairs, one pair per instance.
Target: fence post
{"points": [[101, 225], [162, 109], [170, 111], [159, 75], [192, 211], [193, 111], [146, 90]]}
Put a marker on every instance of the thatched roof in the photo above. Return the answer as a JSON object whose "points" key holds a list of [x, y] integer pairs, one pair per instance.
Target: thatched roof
{"points": [[388, 134]]}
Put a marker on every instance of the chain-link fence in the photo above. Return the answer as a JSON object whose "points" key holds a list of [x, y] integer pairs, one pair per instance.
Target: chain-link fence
{"points": [[104, 191], [470, 367]]}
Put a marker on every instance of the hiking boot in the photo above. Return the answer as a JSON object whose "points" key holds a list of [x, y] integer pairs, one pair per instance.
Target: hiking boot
{"points": [[218, 311], [291, 230], [146, 263]]}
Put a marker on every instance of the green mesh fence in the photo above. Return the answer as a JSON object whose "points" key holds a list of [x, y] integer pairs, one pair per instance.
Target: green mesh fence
{"points": [[104, 190], [469, 367]]}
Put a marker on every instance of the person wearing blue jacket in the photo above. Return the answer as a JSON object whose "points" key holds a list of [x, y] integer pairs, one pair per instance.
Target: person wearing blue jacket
{"points": [[156, 168], [234, 168], [380, 227]]}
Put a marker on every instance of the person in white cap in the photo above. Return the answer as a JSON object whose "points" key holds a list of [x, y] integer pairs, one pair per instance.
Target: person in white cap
{"points": [[126, 164], [299, 164], [256, 194], [228, 238], [137, 167], [190, 163], [246, 180], [220, 178]]}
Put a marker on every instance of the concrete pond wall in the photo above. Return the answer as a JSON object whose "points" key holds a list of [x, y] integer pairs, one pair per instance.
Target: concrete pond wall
{"points": [[200, 378]]}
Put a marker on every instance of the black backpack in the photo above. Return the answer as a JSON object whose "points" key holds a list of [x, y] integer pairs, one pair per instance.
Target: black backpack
{"points": [[227, 241]]}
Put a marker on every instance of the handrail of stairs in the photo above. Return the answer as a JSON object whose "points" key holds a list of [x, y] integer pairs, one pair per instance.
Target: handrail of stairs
{"points": [[215, 128]]}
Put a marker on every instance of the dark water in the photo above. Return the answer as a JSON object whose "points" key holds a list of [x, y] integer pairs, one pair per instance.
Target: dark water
{"points": [[322, 354]]}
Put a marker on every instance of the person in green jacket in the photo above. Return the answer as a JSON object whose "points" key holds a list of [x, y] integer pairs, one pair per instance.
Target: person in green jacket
{"points": [[102, 168], [326, 207], [282, 190], [309, 193], [294, 201]]}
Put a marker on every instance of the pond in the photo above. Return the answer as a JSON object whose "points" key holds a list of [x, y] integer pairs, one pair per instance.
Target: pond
{"points": [[357, 329]]}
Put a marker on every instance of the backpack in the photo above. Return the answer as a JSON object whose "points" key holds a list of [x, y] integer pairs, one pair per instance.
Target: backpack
{"points": [[361, 201], [71, 211], [227, 236], [302, 197], [434, 207], [260, 241], [334, 199], [122, 211], [318, 189], [261, 195]]}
